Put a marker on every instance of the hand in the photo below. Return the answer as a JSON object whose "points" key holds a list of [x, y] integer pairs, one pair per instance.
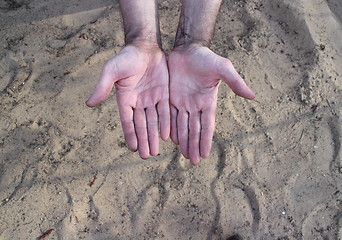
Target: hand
{"points": [[195, 72], [141, 80]]}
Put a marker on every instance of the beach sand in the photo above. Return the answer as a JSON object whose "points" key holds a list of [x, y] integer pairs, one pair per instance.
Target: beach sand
{"points": [[275, 170]]}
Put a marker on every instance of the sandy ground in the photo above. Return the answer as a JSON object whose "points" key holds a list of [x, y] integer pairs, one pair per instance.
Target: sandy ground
{"points": [[275, 170]]}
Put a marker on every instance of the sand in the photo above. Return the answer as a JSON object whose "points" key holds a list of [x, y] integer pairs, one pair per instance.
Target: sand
{"points": [[275, 170]]}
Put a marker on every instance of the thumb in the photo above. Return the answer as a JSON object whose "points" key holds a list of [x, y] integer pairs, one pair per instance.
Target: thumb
{"points": [[105, 84], [228, 73]]}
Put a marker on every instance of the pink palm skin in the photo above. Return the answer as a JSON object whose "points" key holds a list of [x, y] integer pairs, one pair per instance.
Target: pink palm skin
{"points": [[141, 79], [195, 72]]}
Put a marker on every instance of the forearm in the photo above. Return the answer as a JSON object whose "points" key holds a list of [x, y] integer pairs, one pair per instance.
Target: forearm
{"points": [[141, 22], [197, 22]]}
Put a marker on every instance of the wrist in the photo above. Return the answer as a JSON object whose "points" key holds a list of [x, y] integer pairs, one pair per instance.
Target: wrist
{"points": [[148, 39], [184, 40], [188, 47], [197, 21], [146, 48], [141, 21], [145, 45]]}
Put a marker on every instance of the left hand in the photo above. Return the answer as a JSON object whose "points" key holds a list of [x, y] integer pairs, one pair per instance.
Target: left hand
{"points": [[195, 72]]}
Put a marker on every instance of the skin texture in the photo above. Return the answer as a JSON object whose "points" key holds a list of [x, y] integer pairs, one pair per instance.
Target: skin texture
{"points": [[195, 72], [140, 76], [141, 22]]}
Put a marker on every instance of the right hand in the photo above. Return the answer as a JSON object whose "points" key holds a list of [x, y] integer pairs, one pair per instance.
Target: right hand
{"points": [[141, 79]]}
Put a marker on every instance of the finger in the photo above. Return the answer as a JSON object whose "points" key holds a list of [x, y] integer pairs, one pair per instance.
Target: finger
{"points": [[152, 130], [183, 132], [174, 134], [194, 137], [141, 131], [207, 132], [163, 109], [234, 80], [105, 85], [126, 116]]}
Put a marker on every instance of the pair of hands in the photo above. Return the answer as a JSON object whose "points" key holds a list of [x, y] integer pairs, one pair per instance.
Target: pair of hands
{"points": [[174, 97]]}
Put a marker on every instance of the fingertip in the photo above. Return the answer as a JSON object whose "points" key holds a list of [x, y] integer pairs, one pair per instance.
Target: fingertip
{"points": [[184, 150], [90, 103], [246, 93], [240, 88], [154, 150], [185, 155], [205, 150], [165, 133], [131, 141], [97, 98], [195, 161], [153, 154], [251, 95], [133, 149], [205, 155], [165, 137], [174, 140], [144, 155]]}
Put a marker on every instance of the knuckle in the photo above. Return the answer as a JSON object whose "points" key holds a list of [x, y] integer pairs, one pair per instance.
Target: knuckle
{"points": [[143, 138], [140, 128], [226, 62], [107, 66], [182, 129], [153, 134], [194, 133]]}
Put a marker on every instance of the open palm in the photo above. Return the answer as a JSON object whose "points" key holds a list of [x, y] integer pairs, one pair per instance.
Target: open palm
{"points": [[141, 79], [195, 72]]}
